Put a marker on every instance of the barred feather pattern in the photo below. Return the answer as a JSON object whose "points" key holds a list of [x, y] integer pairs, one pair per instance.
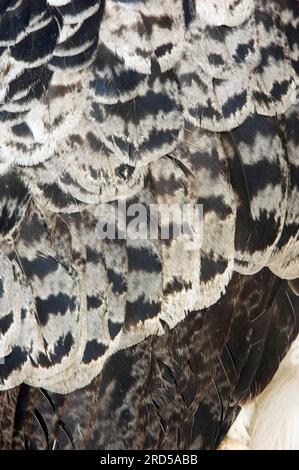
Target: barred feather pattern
{"points": [[152, 102], [181, 390]]}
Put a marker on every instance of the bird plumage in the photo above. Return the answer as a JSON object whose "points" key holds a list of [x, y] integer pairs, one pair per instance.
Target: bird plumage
{"points": [[184, 102]]}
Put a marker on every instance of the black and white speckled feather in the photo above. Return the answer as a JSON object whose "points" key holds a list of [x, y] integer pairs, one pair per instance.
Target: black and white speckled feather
{"points": [[148, 102]]}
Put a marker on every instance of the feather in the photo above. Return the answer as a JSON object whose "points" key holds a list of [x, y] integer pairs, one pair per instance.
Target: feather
{"points": [[151, 341]]}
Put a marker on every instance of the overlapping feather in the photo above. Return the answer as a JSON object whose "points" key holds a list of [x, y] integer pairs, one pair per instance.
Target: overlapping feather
{"points": [[155, 103]]}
